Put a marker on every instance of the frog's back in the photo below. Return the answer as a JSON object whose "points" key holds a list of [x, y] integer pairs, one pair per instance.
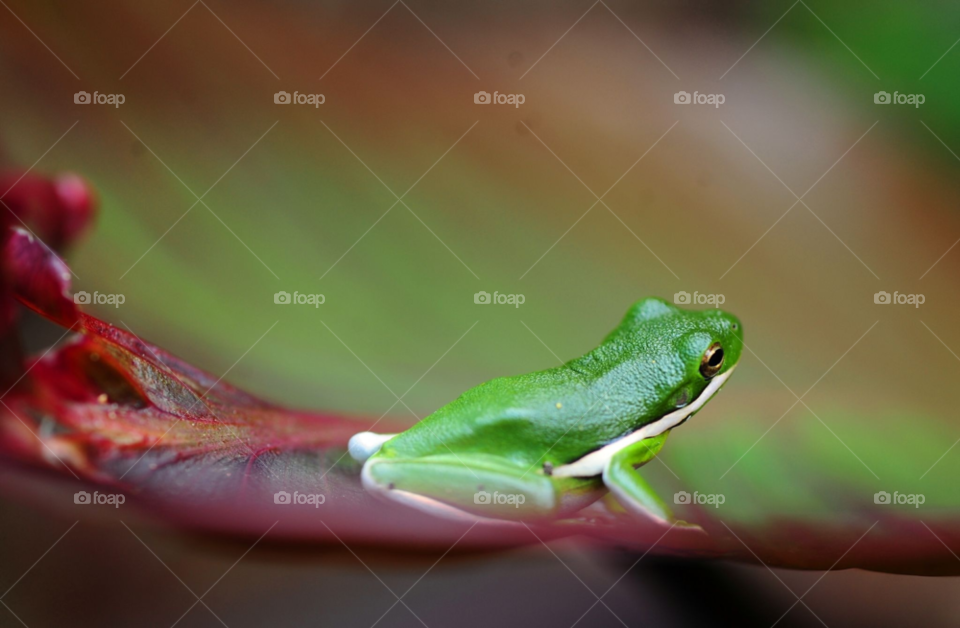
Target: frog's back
{"points": [[510, 417]]}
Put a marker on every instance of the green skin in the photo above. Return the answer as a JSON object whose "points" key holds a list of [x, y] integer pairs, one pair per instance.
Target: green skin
{"points": [[513, 436]]}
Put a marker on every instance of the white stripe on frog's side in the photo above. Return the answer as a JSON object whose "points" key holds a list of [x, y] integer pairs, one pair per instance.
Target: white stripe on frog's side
{"points": [[595, 462], [365, 444]]}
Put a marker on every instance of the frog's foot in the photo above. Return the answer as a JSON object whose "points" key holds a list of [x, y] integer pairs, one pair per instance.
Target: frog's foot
{"points": [[611, 511], [471, 487]]}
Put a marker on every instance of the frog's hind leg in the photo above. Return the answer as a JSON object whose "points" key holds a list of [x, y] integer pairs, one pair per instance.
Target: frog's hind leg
{"points": [[474, 486], [432, 506]]}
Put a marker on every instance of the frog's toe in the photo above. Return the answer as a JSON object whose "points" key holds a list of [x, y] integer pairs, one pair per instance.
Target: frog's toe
{"points": [[663, 519], [689, 527]]}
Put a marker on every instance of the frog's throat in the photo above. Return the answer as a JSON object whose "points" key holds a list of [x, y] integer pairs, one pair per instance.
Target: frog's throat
{"points": [[595, 462]]}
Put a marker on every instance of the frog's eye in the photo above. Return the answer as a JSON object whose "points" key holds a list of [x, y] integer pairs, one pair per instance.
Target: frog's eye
{"points": [[712, 361]]}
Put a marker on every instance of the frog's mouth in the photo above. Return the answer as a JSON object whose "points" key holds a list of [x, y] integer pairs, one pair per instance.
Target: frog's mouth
{"points": [[595, 462]]}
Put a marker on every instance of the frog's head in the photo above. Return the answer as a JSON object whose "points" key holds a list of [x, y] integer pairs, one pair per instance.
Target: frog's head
{"points": [[683, 356]]}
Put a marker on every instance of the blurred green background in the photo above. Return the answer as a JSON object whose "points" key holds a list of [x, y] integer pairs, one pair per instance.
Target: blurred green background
{"points": [[498, 200]]}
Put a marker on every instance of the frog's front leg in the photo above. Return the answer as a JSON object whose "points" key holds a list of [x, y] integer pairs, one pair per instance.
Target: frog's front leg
{"points": [[475, 486], [631, 490]]}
